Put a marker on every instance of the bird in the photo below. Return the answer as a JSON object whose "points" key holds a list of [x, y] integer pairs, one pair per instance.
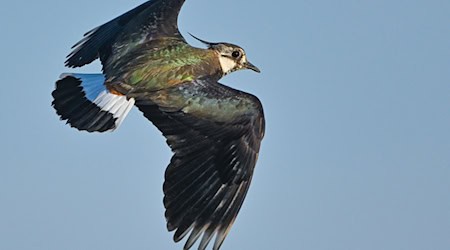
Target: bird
{"points": [[213, 130]]}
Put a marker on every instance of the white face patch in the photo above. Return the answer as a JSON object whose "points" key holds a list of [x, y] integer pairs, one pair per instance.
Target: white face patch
{"points": [[227, 64]]}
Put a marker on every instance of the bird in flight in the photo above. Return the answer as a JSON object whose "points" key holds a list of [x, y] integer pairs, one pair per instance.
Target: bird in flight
{"points": [[214, 131]]}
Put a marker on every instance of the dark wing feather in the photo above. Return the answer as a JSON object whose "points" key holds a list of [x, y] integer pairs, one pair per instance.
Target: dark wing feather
{"points": [[149, 21], [215, 153]]}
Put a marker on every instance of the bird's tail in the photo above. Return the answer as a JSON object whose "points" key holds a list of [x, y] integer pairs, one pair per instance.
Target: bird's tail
{"points": [[86, 104]]}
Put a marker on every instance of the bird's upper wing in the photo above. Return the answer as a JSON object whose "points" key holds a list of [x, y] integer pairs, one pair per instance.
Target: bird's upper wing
{"points": [[215, 133], [152, 20]]}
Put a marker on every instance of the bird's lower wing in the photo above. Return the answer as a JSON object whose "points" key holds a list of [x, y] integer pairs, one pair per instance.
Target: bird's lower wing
{"points": [[215, 152]]}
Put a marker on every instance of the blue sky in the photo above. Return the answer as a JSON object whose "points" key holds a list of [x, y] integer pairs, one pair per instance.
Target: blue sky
{"points": [[357, 147]]}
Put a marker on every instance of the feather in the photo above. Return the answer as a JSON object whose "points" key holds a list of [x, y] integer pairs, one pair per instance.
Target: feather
{"points": [[86, 104], [215, 149]]}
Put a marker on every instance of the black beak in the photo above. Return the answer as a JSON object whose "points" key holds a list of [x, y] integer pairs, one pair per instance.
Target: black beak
{"points": [[249, 65]]}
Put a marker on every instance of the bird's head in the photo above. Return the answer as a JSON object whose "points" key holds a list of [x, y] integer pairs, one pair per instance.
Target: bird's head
{"points": [[231, 57]]}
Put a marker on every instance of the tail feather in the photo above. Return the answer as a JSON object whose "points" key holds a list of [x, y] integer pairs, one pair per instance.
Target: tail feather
{"points": [[86, 104]]}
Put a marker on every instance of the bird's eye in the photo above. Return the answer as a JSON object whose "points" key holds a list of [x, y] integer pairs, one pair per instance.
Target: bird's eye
{"points": [[236, 54]]}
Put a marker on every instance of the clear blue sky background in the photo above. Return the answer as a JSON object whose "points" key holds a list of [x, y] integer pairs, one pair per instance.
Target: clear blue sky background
{"points": [[357, 151]]}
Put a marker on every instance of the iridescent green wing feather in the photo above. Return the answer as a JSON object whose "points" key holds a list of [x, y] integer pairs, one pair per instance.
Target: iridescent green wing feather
{"points": [[215, 133], [150, 21], [151, 68]]}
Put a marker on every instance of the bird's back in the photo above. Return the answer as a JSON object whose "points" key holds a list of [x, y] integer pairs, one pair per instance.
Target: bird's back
{"points": [[160, 64]]}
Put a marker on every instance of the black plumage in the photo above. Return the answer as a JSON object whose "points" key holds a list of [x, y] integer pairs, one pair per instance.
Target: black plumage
{"points": [[152, 19], [209, 175], [71, 104], [214, 131]]}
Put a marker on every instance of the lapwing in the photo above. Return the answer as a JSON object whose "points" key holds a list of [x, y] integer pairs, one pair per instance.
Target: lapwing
{"points": [[214, 131]]}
